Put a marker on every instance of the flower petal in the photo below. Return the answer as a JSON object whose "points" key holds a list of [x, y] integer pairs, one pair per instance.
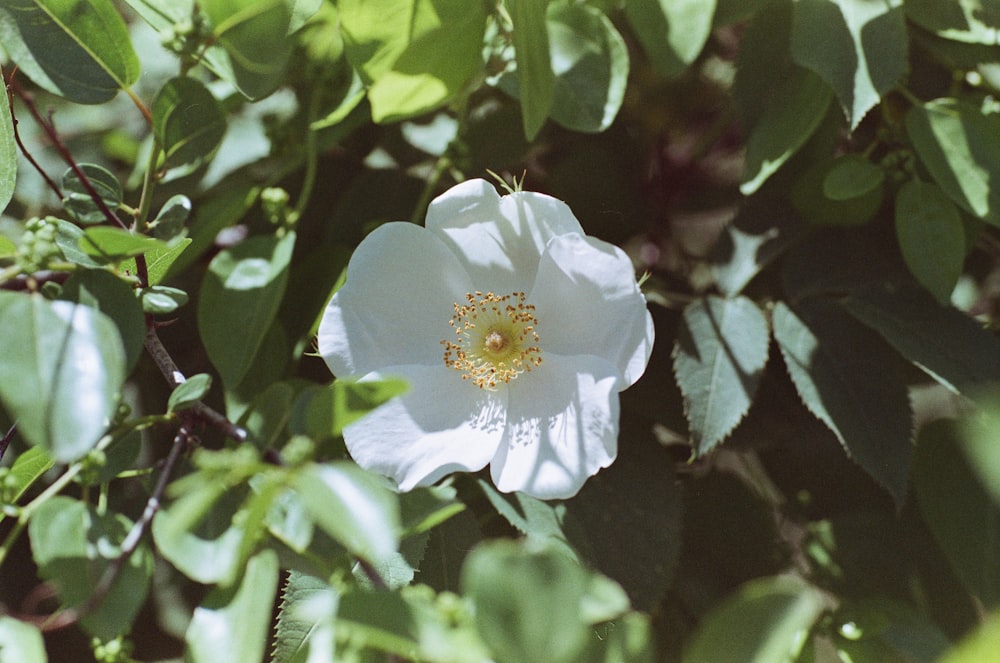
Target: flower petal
{"points": [[442, 425], [394, 308], [499, 239], [562, 427], [588, 303]]}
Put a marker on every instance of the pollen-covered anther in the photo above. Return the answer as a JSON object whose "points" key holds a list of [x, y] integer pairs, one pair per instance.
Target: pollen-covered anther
{"points": [[495, 339]]}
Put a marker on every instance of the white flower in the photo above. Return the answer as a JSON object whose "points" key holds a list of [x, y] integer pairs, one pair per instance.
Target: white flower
{"points": [[515, 331]]}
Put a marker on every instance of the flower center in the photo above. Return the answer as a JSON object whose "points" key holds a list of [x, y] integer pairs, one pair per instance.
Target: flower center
{"points": [[495, 339]]}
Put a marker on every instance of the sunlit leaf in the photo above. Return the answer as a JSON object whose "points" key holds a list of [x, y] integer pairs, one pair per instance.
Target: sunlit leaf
{"points": [[111, 244], [672, 33], [78, 49], [28, 468], [231, 624], [719, 359], [436, 62], [846, 378], [766, 620], [189, 392], [536, 80], [352, 506], [115, 299], [162, 300], [62, 383], [73, 545], [158, 260], [169, 221], [242, 291], [979, 645], [527, 603], [968, 21], [590, 63], [956, 141], [22, 642], [858, 47]]}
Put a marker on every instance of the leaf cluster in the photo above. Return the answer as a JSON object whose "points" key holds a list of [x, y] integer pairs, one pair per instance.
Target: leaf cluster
{"points": [[806, 472]]}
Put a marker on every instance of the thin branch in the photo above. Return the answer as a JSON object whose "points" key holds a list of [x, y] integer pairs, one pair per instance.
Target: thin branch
{"points": [[50, 130], [174, 377], [17, 137], [32, 281], [7, 438], [131, 541]]}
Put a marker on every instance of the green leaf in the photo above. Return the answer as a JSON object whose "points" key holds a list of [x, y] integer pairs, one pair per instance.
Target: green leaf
{"points": [[858, 47], [77, 200], [766, 620], [851, 176], [882, 629], [115, 244], [978, 442], [298, 627], [436, 63], [527, 603], [845, 376], [62, 383], [242, 290], [114, 298], [967, 21], [950, 346], [189, 392], [638, 493], [323, 412], [8, 152], [719, 359], [73, 546], [22, 642], [158, 260], [814, 204], [188, 122], [169, 222], [68, 237], [536, 80], [540, 521], [590, 63], [352, 506], [254, 34], [672, 33], [960, 513], [268, 414], [931, 237], [8, 248], [231, 624], [409, 623], [198, 535], [26, 470], [956, 142], [77, 49], [796, 108], [162, 300], [977, 646], [764, 227]]}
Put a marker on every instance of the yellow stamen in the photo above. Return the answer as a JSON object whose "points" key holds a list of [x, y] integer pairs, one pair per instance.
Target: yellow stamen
{"points": [[496, 339]]}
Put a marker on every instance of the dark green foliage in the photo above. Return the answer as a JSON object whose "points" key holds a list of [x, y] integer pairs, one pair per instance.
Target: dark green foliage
{"points": [[807, 470]]}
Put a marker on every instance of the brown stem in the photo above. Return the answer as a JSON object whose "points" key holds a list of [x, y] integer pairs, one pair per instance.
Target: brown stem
{"points": [[174, 377], [17, 137]]}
